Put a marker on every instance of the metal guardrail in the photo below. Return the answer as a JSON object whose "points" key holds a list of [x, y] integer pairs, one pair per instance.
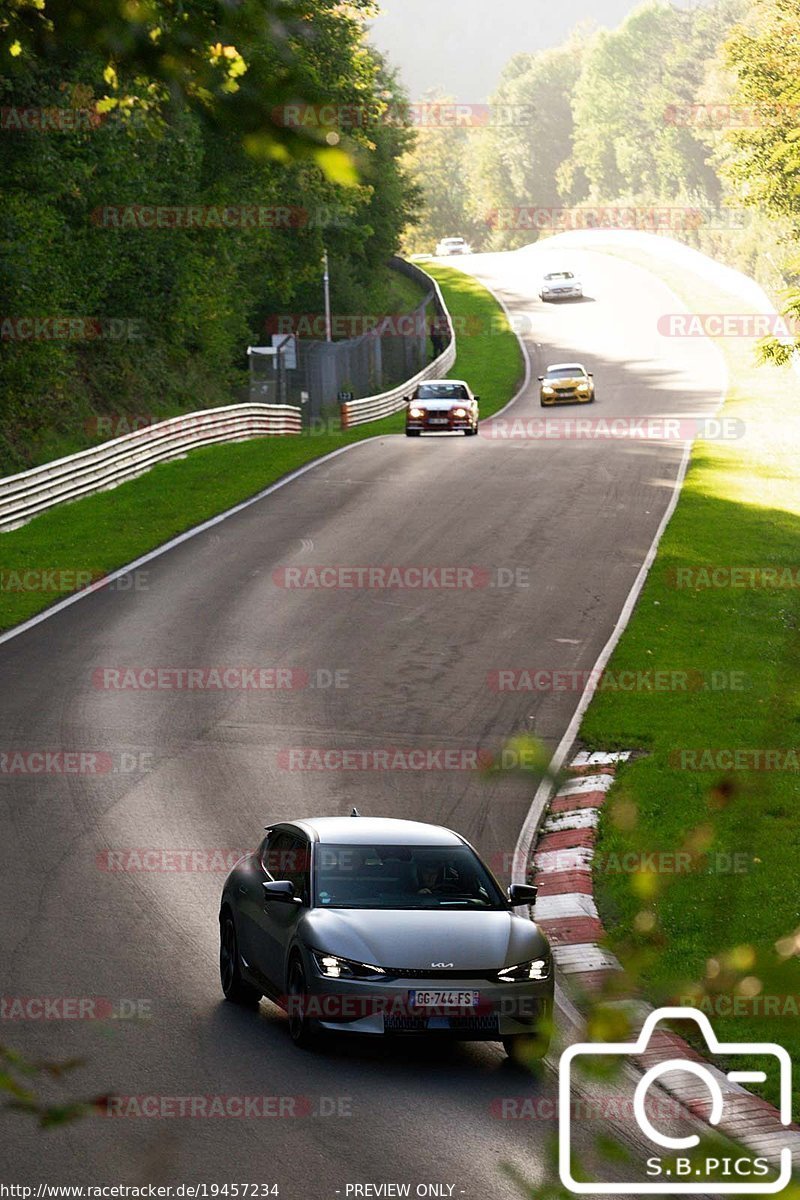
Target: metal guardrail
{"points": [[31, 492], [94, 470], [371, 408]]}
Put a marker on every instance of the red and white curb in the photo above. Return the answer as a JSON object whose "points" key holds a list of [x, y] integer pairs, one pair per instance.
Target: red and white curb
{"points": [[562, 861], [565, 910]]}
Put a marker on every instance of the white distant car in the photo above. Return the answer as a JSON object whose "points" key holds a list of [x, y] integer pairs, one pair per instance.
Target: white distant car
{"points": [[561, 285], [452, 245]]}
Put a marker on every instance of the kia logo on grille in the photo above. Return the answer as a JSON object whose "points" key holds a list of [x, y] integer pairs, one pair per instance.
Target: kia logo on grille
{"points": [[443, 964]]}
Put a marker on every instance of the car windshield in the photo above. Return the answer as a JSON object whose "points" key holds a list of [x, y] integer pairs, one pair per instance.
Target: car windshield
{"points": [[564, 372], [404, 877], [560, 275], [442, 391]]}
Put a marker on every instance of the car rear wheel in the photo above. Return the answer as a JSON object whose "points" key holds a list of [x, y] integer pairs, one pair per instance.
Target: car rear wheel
{"points": [[301, 1029], [235, 989]]}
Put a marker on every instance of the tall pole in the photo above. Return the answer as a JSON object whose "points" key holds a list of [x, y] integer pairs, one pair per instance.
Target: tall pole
{"points": [[327, 281]]}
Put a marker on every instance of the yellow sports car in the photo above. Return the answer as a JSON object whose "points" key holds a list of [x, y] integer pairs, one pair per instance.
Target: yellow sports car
{"points": [[566, 383]]}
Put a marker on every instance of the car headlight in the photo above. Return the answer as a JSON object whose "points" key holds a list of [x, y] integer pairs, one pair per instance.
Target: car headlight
{"points": [[535, 971], [547, 390], [459, 412], [416, 412], [333, 967], [583, 387]]}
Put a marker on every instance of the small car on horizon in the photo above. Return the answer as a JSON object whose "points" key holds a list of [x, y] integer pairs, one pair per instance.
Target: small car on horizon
{"points": [[442, 406], [566, 383], [380, 926], [452, 245], [561, 285]]}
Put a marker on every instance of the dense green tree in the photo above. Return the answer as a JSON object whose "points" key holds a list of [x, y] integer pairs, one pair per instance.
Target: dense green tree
{"points": [[759, 154], [633, 137], [148, 132], [523, 152], [440, 164]]}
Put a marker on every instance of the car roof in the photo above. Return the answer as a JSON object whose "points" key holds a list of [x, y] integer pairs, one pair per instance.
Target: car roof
{"points": [[383, 831], [566, 367], [437, 382]]}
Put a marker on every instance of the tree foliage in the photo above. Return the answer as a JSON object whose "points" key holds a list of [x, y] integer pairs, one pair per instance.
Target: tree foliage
{"points": [[194, 118], [761, 157], [523, 152], [638, 82]]}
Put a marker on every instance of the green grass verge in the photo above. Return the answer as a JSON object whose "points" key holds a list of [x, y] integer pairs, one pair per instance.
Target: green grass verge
{"points": [[107, 530], [489, 357], [718, 928]]}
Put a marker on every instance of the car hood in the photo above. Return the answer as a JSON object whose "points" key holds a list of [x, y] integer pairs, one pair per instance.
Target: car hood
{"points": [[415, 940], [440, 405], [561, 283], [568, 381]]}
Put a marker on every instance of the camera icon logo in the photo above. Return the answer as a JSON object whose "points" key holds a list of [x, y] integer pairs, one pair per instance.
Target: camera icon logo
{"points": [[689, 1180]]}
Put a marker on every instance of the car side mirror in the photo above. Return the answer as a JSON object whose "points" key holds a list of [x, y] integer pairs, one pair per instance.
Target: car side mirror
{"points": [[522, 893], [281, 890], [590, 374], [541, 378], [476, 397]]}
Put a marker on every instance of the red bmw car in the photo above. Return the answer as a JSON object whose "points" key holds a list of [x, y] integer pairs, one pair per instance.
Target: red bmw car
{"points": [[442, 406]]}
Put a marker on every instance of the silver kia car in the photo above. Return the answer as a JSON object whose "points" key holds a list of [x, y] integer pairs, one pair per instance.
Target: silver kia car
{"points": [[381, 926]]}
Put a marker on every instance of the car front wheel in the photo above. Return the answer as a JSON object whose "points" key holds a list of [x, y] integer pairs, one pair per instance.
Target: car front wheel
{"points": [[235, 989], [301, 1029], [526, 1048]]}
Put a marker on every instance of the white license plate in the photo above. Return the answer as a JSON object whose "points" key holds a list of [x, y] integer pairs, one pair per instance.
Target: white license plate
{"points": [[437, 420], [441, 998]]}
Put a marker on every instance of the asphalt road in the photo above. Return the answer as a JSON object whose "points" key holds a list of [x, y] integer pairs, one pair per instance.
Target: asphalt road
{"points": [[562, 524]]}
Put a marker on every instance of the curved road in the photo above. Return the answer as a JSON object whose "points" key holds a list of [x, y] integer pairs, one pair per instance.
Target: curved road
{"points": [[557, 530]]}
